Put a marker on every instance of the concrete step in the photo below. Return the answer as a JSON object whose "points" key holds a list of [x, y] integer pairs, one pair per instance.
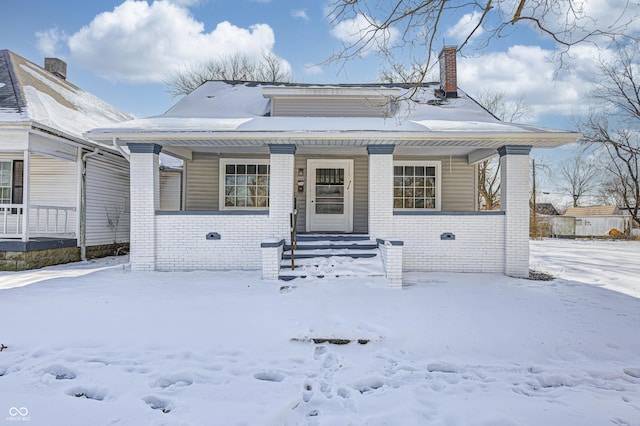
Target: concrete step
{"points": [[326, 256]]}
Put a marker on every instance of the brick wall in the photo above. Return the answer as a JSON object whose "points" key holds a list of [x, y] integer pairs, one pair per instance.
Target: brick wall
{"points": [[145, 200], [381, 195], [514, 200], [478, 244], [281, 193], [182, 243]]}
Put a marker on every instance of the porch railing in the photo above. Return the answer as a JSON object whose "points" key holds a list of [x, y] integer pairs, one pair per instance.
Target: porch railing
{"points": [[44, 221]]}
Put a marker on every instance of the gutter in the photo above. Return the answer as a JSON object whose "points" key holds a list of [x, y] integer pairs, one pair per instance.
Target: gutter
{"points": [[336, 134]]}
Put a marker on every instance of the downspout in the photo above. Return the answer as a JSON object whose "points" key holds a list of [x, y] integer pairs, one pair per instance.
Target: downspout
{"points": [[83, 202], [120, 150]]}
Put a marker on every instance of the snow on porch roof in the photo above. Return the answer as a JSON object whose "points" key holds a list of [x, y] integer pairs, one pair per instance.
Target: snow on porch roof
{"points": [[241, 110]]}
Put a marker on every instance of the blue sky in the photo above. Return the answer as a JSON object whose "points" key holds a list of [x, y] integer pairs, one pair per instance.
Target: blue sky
{"points": [[120, 50]]}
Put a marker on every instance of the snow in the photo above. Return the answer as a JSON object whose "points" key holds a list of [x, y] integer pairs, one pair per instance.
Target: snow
{"points": [[94, 343], [218, 106], [57, 103]]}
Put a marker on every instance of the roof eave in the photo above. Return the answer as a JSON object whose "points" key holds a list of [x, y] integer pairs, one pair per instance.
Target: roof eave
{"points": [[557, 138]]}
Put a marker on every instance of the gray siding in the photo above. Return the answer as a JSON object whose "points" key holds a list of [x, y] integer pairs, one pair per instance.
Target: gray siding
{"points": [[202, 182], [107, 197], [170, 190], [458, 181], [329, 108]]}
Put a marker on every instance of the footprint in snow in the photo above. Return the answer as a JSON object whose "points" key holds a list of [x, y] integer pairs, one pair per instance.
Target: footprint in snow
{"points": [[319, 351], [157, 404], [633, 372], [270, 376], [59, 372], [307, 391], [178, 379], [95, 393]]}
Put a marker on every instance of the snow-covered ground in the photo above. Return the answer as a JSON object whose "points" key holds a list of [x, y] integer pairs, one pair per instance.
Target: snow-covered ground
{"points": [[93, 343]]}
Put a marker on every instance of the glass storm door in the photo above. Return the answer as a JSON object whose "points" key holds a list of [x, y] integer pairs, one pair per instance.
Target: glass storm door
{"points": [[329, 196]]}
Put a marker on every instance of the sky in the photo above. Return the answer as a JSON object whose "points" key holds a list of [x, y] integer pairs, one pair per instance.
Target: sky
{"points": [[122, 51]]}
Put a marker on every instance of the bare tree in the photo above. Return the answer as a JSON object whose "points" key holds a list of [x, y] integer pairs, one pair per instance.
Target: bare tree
{"points": [[579, 177], [489, 184], [614, 129], [413, 28], [268, 68], [498, 104]]}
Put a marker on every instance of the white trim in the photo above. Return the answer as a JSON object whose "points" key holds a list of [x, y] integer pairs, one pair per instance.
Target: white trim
{"points": [[346, 220], [438, 167], [221, 173]]}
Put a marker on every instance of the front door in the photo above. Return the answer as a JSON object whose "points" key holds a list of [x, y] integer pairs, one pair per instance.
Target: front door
{"points": [[329, 195]]}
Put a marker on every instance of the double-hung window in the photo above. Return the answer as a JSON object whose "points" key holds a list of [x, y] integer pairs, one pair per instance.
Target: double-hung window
{"points": [[416, 185], [244, 184], [5, 182], [11, 182]]}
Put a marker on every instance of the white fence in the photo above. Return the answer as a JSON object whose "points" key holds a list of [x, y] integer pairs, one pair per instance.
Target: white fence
{"points": [[44, 221]]}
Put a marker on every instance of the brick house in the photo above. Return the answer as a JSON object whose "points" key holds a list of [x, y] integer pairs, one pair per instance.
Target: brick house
{"points": [[57, 189], [390, 163]]}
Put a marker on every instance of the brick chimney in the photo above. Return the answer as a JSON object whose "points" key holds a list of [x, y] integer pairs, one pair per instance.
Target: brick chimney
{"points": [[448, 71], [56, 66]]}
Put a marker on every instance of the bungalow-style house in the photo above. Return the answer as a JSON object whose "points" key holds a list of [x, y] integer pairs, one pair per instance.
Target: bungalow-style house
{"points": [[391, 164], [62, 197]]}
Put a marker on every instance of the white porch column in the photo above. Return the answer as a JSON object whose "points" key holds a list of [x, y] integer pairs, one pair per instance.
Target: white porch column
{"points": [[514, 201], [281, 189], [380, 190], [26, 194], [145, 200]]}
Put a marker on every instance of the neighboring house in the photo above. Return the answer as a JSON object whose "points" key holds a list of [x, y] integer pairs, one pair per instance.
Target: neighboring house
{"points": [[357, 159], [593, 221], [60, 194], [546, 209]]}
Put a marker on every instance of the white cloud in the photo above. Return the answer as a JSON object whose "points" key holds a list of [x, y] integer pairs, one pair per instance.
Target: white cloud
{"points": [[300, 14], [186, 2], [141, 42], [49, 40], [461, 30], [527, 72], [360, 31]]}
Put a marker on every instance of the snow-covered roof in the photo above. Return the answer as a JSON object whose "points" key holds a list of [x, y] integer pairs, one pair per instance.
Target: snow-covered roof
{"points": [[242, 110], [28, 93]]}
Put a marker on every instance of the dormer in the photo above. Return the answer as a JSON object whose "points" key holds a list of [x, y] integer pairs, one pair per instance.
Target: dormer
{"points": [[331, 101]]}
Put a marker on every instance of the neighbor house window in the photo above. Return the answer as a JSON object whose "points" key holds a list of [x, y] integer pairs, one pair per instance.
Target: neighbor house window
{"points": [[244, 184], [416, 185], [5, 182]]}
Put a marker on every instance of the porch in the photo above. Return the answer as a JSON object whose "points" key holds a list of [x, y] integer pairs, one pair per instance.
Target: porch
{"points": [[445, 232], [37, 221]]}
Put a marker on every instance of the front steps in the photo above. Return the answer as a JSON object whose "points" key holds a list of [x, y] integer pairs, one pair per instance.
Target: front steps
{"points": [[327, 256]]}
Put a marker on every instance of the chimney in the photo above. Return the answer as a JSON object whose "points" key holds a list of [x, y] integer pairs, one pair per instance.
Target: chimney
{"points": [[448, 72], [56, 66]]}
